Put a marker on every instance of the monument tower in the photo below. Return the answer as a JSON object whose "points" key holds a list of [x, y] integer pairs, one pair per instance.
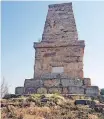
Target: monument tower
{"points": [[58, 65], [60, 51]]}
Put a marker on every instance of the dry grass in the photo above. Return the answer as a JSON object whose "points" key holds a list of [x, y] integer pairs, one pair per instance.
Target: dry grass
{"points": [[60, 108]]}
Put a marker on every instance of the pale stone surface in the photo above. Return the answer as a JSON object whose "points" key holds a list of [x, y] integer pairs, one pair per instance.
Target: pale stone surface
{"points": [[50, 76]]}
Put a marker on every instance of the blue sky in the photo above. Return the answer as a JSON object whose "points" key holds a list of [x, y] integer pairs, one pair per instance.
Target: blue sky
{"points": [[23, 23]]}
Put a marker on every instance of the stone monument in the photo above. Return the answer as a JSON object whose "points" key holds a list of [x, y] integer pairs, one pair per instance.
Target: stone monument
{"points": [[59, 55]]}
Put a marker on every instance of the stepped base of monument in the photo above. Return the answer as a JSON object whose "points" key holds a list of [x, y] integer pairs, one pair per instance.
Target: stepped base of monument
{"points": [[58, 85]]}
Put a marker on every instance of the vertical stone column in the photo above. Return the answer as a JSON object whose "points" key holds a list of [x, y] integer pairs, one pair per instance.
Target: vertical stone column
{"points": [[60, 23]]}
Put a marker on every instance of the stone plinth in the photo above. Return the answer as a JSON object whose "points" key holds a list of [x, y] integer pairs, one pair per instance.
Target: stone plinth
{"points": [[68, 55], [59, 84]]}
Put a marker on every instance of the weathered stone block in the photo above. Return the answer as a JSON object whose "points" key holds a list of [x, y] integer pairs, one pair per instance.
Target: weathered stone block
{"points": [[64, 76], [73, 82], [33, 83], [75, 90], [42, 90], [87, 81], [19, 90], [51, 82], [55, 90], [92, 91]]}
